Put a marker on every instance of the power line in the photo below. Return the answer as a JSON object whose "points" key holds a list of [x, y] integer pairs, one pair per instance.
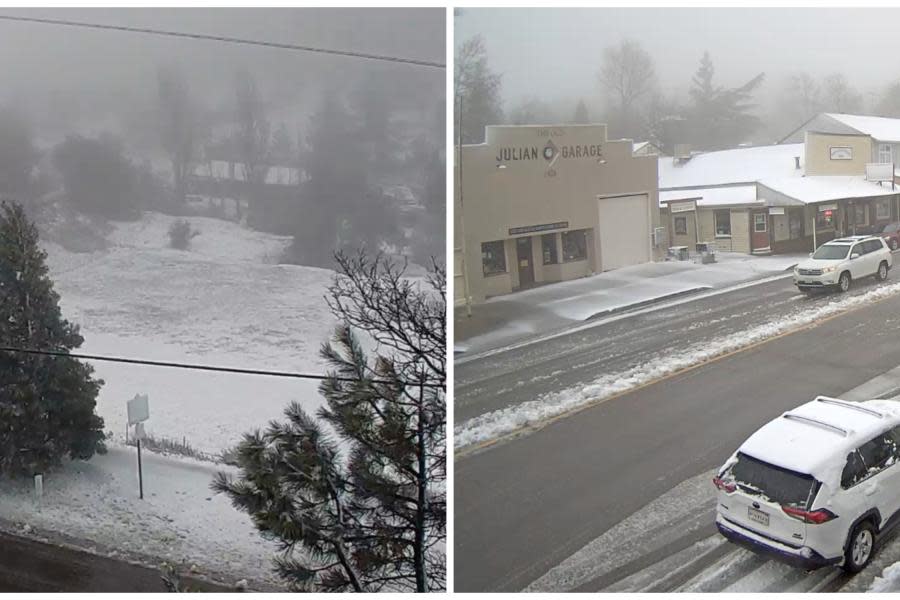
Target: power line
{"points": [[177, 365], [232, 40]]}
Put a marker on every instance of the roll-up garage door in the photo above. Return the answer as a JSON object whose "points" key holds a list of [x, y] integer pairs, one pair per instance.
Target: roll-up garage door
{"points": [[624, 231]]}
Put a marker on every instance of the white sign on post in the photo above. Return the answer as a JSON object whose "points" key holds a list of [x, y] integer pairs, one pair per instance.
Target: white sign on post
{"points": [[138, 409]]}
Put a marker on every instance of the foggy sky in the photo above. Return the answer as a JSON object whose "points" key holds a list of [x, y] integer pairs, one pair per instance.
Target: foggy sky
{"points": [[556, 53], [105, 70]]}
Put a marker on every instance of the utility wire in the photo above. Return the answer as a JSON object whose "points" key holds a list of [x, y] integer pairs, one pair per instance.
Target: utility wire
{"points": [[176, 365], [232, 40]]}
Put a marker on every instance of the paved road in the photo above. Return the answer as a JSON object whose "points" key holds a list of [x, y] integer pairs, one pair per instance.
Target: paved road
{"points": [[525, 505], [500, 380], [30, 566]]}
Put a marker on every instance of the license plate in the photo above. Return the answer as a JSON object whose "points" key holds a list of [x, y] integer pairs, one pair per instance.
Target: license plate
{"points": [[758, 516]]}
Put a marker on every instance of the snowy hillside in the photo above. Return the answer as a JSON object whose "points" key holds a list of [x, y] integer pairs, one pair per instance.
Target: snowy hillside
{"points": [[222, 302]]}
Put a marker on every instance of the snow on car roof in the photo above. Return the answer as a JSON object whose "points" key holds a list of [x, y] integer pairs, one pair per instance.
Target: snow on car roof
{"points": [[816, 437]]}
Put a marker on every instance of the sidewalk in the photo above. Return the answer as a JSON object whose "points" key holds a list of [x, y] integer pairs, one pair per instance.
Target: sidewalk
{"points": [[514, 317]]}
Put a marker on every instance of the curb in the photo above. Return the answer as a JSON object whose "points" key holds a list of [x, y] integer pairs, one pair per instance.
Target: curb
{"points": [[648, 302]]}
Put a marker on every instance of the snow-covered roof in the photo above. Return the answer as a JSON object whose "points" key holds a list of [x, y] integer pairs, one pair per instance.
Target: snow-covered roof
{"points": [[821, 188], [817, 436], [883, 129], [638, 146], [739, 165], [717, 196]]}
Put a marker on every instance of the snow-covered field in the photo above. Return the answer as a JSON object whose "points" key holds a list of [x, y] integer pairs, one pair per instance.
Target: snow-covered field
{"points": [[223, 302], [534, 413]]}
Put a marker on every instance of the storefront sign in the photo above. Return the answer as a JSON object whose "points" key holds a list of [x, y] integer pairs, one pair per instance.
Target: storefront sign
{"points": [[776, 210], [537, 228], [841, 153], [548, 152], [678, 207], [827, 207]]}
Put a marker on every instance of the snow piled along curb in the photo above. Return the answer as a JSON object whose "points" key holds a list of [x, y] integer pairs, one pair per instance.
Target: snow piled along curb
{"points": [[509, 420]]}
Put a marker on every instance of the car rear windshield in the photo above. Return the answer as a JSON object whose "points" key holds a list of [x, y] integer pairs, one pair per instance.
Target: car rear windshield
{"points": [[774, 483], [890, 228], [835, 252]]}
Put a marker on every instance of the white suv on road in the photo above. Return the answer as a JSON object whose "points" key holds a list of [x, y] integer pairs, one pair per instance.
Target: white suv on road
{"points": [[840, 261], [817, 486]]}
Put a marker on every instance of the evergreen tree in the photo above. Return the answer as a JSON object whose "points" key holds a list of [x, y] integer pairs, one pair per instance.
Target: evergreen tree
{"points": [[374, 516], [46, 402], [720, 117]]}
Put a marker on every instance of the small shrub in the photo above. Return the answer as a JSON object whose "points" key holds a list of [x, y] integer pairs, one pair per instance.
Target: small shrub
{"points": [[180, 234]]}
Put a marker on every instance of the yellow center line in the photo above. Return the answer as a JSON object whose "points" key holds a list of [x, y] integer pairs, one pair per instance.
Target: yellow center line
{"points": [[525, 430]]}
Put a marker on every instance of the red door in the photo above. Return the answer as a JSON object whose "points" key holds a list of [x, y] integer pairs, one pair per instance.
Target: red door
{"points": [[759, 231]]}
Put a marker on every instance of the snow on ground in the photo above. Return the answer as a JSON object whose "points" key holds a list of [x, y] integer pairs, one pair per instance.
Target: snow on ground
{"points": [[684, 509], [223, 302], [179, 519], [217, 303], [511, 317], [533, 413], [889, 581]]}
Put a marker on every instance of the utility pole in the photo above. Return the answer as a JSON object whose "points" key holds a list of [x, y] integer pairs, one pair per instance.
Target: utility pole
{"points": [[459, 189]]}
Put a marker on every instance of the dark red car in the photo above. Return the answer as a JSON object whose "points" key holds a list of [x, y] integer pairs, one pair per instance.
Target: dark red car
{"points": [[891, 235]]}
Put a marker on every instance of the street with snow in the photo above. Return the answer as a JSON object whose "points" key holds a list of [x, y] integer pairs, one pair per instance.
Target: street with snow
{"points": [[584, 458]]}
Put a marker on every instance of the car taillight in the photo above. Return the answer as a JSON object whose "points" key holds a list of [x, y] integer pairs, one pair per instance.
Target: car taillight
{"points": [[723, 485], [815, 517]]}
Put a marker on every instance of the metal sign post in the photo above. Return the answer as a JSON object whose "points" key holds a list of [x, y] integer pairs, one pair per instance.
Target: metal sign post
{"points": [[138, 412]]}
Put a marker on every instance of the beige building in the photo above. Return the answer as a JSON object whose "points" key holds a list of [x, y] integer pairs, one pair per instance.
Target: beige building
{"points": [[790, 197], [541, 204]]}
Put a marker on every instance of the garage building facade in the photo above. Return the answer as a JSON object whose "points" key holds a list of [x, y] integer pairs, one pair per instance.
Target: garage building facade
{"points": [[542, 204]]}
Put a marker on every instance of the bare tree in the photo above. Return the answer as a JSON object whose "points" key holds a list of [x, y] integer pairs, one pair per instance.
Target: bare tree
{"points": [[838, 96], [628, 76], [806, 95], [477, 89], [178, 125], [253, 131]]}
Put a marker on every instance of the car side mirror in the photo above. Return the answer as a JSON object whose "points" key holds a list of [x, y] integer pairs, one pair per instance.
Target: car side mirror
{"points": [[854, 255]]}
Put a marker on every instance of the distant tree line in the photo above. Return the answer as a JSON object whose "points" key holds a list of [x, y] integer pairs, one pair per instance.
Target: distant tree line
{"points": [[632, 104]]}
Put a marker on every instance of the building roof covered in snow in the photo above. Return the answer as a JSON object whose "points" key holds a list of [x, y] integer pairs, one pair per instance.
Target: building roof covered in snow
{"points": [[731, 167], [823, 188], [882, 129], [716, 196]]}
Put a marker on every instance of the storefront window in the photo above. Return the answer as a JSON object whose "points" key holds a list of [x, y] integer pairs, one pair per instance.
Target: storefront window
{"points": [[574, 245], [883, 209], [759, 223], [548, 248], [680, 225], [493, 258], [884, 153], [860, 214], [723, 222], [825, 219]]}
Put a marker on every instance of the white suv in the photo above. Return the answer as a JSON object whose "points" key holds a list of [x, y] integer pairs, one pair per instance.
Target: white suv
{"points": [[840, 261], [817, 486]]}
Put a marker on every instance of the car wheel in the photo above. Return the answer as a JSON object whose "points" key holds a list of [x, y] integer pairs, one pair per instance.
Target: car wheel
{"points": [[860, 547], [844, 281], [893, 244], [881, 275]]}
